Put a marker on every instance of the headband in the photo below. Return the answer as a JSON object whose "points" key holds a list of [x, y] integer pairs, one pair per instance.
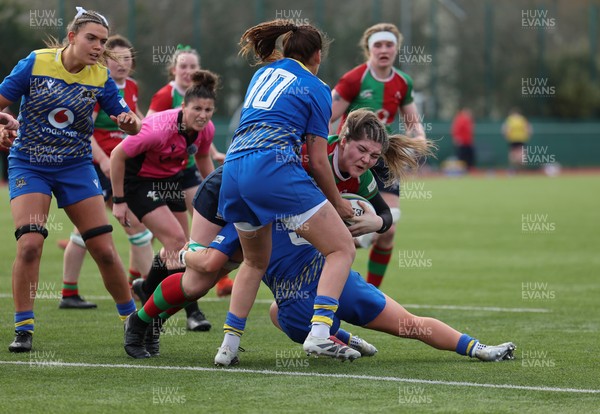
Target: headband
{"points": [[81, 11], [379, 36]]}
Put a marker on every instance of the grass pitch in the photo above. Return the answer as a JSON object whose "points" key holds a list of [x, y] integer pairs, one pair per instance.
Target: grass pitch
{"points": [[499, 258]]}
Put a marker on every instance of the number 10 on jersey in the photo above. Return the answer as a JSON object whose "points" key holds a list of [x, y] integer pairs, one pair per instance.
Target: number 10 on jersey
{"points": [[268, 88]]}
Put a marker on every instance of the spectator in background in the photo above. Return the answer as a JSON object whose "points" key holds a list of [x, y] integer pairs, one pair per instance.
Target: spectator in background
{"points": [[462, 135], [517, 131]]}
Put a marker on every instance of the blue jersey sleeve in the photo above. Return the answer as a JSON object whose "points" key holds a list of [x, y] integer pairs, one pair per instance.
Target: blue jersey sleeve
{"points": [[111, 101], [318, 123], [16, 84]]}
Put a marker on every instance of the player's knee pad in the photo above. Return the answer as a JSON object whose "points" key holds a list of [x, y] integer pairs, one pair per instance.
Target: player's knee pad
{"points": [[31, 228], [142, 238], [77, 239], [96, 231]]}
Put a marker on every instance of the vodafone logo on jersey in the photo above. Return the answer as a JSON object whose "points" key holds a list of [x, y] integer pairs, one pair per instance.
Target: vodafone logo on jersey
{"points": [[61, 118]]}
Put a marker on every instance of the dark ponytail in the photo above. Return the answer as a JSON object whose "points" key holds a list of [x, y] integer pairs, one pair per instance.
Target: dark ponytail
{"points": [[299, 42], [204, 85]]}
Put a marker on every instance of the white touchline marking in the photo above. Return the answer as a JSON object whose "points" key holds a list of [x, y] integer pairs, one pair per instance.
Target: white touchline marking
{"points": [[416, 306], [309, 374]]}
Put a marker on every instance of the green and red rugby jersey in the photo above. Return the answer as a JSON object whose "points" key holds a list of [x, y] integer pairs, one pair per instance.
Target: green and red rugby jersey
{"points": [[384, 97], [107, 133], [365, 185]]}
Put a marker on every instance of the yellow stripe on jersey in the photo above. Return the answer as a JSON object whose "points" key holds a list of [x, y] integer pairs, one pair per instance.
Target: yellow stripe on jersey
{"points": [[48, 63]]}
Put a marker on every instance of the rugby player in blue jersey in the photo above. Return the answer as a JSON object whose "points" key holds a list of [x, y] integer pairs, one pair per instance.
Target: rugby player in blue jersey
{"points": [[58, 88], [286, 104]]}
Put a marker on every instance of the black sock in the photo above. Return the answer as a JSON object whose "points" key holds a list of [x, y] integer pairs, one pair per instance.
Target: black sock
{"points": [[158, 272], [136, 321], [191, 308]]}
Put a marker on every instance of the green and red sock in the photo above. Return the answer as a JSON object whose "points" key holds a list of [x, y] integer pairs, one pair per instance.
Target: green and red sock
{"points": [[169, 294], [379, 258], [69, 289]]}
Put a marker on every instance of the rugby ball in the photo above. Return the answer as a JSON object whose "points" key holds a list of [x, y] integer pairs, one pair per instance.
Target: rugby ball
{"points": [[358, 208]]}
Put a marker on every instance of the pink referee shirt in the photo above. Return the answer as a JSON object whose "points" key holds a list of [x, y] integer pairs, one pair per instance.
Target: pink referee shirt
{"points": [[165, 148]]}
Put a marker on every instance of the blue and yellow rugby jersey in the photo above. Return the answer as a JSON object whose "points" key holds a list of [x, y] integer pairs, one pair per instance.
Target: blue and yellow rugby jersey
{"points": [[284, 102], [295, 266], [56, 106]]}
